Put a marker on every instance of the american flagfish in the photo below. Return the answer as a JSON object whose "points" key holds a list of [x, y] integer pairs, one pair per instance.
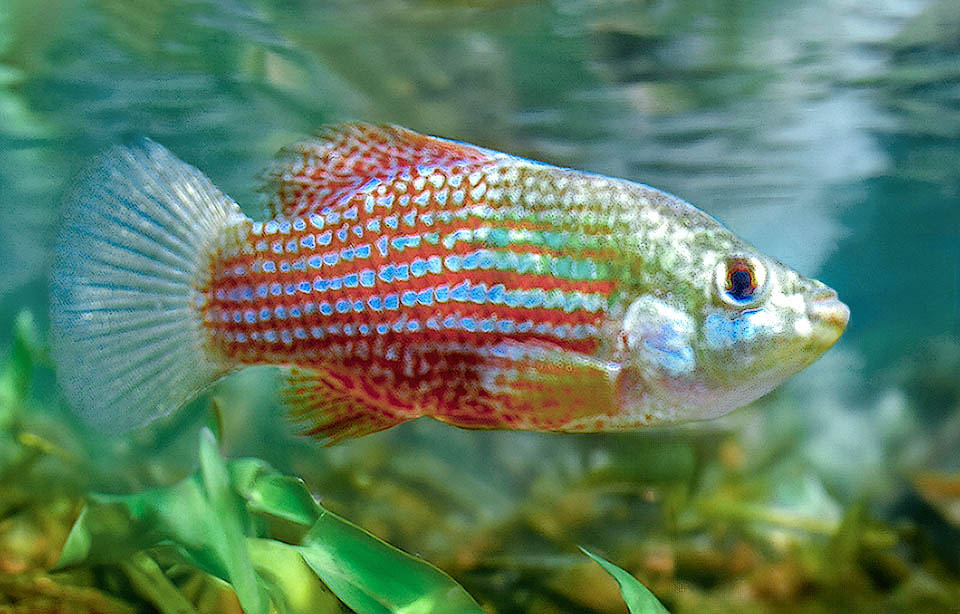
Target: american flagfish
{"points": [[402, 275]]}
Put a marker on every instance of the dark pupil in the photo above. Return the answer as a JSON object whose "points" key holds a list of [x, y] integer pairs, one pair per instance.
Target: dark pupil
{"points": [[741, 285]]}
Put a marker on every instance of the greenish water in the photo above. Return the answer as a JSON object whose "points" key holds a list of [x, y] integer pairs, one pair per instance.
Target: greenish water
{"points": [[827, 133]]}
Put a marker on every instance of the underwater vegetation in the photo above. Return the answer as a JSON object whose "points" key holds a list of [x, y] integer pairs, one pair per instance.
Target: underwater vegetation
{"points": [[236, 535], [826, 133]]}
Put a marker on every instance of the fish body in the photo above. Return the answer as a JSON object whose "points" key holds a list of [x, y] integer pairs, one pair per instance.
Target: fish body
{"points": [[402, 275]]}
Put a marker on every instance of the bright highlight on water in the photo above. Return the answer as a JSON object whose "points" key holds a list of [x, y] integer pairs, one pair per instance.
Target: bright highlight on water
{"points": [[402, 275]]}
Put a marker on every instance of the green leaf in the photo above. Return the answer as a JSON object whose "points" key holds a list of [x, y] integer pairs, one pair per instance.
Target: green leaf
{"points": [[373, 577], [229, 531], [638, 597], [207, 519]]}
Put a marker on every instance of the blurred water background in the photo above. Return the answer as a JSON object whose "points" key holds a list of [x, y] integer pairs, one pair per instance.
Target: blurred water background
{"points": [[825, 132]]}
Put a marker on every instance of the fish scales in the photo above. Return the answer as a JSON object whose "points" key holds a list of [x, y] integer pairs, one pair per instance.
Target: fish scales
{"points": [[400, 275]]}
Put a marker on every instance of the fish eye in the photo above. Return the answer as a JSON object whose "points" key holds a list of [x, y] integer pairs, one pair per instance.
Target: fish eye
{"points": [[740, 280]]}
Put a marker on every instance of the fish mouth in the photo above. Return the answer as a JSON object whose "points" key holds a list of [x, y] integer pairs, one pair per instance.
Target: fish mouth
{"points": [[828, 314]]}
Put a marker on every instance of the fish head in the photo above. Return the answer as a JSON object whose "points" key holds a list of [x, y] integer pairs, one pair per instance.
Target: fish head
{"points": [[724, 329]]}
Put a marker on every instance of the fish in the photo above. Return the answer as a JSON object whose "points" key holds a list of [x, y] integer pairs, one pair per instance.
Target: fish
{"points": [[400, 275]]}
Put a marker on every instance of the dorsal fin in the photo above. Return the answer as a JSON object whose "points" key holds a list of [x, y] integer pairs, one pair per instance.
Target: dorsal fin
{"points": [[319, 172]]}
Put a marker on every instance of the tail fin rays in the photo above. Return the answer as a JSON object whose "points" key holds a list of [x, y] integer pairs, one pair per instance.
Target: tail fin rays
{"points": [[133, 254]]}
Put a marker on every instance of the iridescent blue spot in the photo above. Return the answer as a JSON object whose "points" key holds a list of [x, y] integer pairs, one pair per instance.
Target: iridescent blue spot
{"points": [[348, 329], [350, 214], [487, 259], [418, 268], [286, 337], [525, 326], [431, 237], [427, 219], [362, 251], [333, 217], [470, 261], [310, 308], [434, 264], [316, 221], [367, 278], [300, 265], [262, 290], [486, 325], [425, 297], [374, 225], [468, 324], [250, 316], [450, 321], [270, 335], [299, 224], [284, 267], [391, 221], [413, 326], [358, 230], [234, 295], [237, 317], [270, 227], [386, 201], [277, 247], [398, 325], [459, 292], [308, 241], [343, 306], [403, 272], [442, 293], [383, 328], [410, 218], [382, 246], [290, 289], [370, 185], [452, 262], [375, 303], [292, 246], [315, 262], [478, 293], [316, 332], [276, 289], [386, 273], [364, 329], [269, 266], [326, 309], [351, 280], [324, 238], [320, 284], [295, 312], [409, 298], [280, 312], [342, 233], [241, 337], [560, 332], [496, 294], [391, 301], [300, 333], [433, 324], [404, 200], [347, 254], [506, 326], [336, 283], [358, 305], [423, 198], [534, 298], [285, 227], [331, 258]]}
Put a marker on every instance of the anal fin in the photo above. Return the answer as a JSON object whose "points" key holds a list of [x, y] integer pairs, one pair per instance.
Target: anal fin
{"points": [[335, 404]]}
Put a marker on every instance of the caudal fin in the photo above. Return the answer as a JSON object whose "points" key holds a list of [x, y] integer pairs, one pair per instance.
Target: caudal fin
{"points": [[139, 228]]}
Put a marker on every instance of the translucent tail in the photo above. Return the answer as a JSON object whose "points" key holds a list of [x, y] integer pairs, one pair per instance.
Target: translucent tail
{"points": [[139, 230]]}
